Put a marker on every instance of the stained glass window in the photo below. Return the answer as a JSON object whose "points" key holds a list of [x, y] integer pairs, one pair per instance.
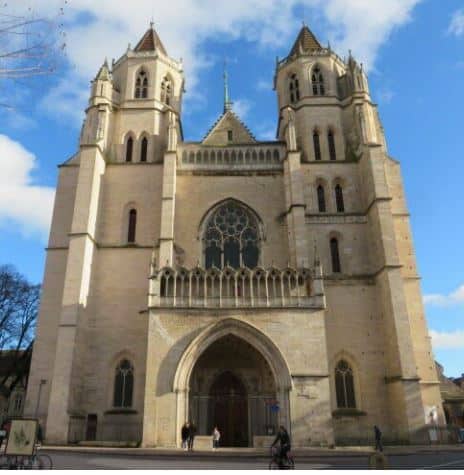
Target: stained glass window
{"points": [[231, 238]]}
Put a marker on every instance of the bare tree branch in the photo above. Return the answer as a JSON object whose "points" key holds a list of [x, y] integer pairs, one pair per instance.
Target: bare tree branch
{"points": [[19, 304], [30, 44]]}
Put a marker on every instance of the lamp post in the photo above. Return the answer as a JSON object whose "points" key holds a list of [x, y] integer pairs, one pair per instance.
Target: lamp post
{"points": [[42, 382]]}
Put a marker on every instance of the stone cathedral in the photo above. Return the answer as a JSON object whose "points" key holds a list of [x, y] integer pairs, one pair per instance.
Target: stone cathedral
{"points": [[232, 282]]}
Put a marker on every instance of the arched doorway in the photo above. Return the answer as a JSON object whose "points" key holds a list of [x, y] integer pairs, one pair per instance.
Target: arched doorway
{"points": [[201, 363], [229, 409], [232, 387]]}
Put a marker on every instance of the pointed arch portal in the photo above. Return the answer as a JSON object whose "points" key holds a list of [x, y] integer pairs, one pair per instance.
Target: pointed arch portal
{"points": [[234, 377]]}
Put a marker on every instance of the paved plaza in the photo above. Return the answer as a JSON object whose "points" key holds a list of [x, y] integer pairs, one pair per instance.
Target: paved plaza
{"points": [[105, 460]]}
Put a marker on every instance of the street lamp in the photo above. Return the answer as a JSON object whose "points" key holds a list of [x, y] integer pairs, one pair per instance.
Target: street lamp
{"points": [[42, 382]]}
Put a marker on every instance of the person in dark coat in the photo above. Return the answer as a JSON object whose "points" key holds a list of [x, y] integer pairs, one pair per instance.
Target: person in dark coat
{"points": [[378, 439], [284, 439], [39, 434], [184, 433], [191, 435]]}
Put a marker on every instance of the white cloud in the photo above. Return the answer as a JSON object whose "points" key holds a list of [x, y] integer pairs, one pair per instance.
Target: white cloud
{"points": [[21, 201], [266, 131], [184, 25], [242, 107], [14, 119], [442, 300], [263, 85], [447, 340], [66, 100], [456, 26]]}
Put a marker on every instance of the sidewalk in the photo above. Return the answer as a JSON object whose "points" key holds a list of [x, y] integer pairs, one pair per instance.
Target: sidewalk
{"points": [[302, 452]]}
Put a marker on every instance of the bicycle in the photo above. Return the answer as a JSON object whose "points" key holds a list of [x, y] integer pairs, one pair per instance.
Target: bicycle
{"points": [[277, 462], [27, 462]]}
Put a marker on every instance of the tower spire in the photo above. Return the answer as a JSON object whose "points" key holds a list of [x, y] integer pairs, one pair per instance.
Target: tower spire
{"points": [[227, 101]]}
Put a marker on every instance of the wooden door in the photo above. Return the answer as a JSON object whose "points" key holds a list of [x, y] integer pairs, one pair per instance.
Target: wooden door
{"points": [[91, 432], [230, 410]]}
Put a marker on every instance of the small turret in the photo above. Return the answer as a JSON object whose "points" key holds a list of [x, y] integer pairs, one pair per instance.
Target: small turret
{"points": [[357, 76], [101, 85]]}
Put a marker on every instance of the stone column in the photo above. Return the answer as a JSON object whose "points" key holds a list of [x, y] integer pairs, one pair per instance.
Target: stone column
{"points": [[294, 198], [402, 381], [166, 250]]}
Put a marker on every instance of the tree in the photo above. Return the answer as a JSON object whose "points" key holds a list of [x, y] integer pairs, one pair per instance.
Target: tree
{"points": [[19, 304], [30, 44]]}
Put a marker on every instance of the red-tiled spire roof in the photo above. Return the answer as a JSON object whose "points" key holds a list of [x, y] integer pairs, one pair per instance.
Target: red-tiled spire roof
{"points": [[305, 42], [150, 42]]}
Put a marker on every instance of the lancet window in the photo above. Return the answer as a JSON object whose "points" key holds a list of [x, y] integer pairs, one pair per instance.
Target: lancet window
{"points": [[294, 89], [331, 141], [166, 91], [339, 199], [344, 385], [141, 85], [231, 238], [317, 80], [123, 384], [143, 150], [132, 226], [129, 149], [321, 199], [317, 145], [335, 255]]}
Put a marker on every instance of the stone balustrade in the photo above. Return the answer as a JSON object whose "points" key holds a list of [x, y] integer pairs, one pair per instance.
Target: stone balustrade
{"points": [[236, 288], [263, 156]]}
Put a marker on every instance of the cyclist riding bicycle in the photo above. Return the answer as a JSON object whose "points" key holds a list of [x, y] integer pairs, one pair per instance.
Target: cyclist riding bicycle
{"points": [[285, 445]]}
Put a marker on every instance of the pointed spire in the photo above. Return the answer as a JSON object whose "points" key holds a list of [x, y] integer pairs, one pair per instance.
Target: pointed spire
{"points": [[227, 101], [305, 42], [104, 72], [150, 41]]}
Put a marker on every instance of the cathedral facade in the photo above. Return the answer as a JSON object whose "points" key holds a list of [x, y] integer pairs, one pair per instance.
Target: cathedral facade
{"points": [[232, 282]]}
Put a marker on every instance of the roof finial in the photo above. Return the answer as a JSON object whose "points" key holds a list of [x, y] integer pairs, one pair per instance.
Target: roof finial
{"points": [[152, 23], [227, 101]]}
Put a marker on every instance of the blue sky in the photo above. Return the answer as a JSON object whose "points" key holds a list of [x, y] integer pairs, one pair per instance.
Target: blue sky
{"points": [[414, 52]]}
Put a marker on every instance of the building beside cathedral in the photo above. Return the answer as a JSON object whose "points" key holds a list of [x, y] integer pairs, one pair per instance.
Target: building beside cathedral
{"points": [[232, 282]]}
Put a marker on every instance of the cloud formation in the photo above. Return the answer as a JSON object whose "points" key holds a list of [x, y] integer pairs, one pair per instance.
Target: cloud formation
{"points": [[103, 28], [21, 201], [456, 26], [242, 107], [447, 340], [442, 300]]}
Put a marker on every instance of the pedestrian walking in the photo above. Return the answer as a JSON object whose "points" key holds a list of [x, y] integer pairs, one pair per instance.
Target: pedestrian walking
{"points": [[216, 437], [191, 436], [378, 439], [184, 434]]}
